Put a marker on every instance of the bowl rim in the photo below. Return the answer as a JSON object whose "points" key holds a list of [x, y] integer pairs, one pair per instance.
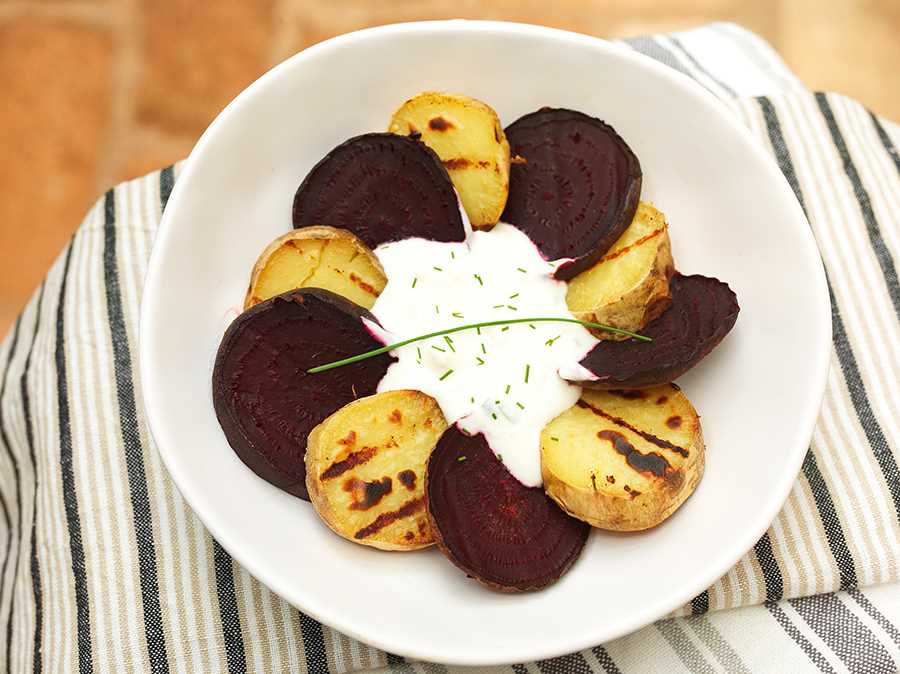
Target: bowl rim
{"points": [[819, 345]]}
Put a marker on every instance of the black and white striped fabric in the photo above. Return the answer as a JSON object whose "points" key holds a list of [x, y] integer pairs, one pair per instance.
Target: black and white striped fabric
{"points": [[103, 567]]}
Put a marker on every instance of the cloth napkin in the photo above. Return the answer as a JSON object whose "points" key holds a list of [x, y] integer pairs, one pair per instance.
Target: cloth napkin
{"points": [[105, 568]]}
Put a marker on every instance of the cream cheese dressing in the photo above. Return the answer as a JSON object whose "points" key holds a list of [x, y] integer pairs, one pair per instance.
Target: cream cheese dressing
{"points": [[504, 381]]}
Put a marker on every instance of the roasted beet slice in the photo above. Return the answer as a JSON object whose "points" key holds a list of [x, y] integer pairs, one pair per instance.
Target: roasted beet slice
{"points": [[382, 187], [703, 311], [510, 537], [266, 402], [576, 191]]}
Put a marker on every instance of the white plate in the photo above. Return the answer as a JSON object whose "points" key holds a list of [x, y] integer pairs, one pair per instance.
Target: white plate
{"points": [[732, 216]]}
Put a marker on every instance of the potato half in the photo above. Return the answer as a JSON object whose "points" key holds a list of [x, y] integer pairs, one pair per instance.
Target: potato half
{"points": [[623, 460], [365, 468], [317, 257], [629, 286], [467, 136]]}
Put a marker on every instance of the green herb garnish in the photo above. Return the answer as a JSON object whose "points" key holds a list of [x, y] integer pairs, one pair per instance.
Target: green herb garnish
{"points": [[508, 387], [510, 321], [554, 438], [437, 348], [520, 405], [513, 296], [527, 371], [524, 271], [510, 306], [478, 278], [415, 281], [437, 269], [456, 314], [479, 359], [445, 375], [449, 343], [460, 458], [483, 350], [550, 341]]}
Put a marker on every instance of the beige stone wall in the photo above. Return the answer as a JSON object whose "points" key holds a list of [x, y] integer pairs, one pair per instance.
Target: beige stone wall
{"points": [[97, 91]]}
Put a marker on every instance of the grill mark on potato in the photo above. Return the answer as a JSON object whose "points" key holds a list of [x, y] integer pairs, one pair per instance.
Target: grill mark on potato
{"points": [[645, 463], [367, 494], [674, 421], [396, 416], [459, 163], [353, 460], [632, 492], [662, 400], [628, 394], [349, 439], [407, 479], [365, 287], [649, 437], [411, 507], [439, 124], [456, 163], [644, 239]]}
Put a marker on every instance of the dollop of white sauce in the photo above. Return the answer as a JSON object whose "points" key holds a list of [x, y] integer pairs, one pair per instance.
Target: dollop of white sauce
{"points": [[506, 382]]}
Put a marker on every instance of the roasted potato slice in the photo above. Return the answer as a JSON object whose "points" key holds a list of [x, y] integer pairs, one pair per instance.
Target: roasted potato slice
{"points": [[317, 257], [629, 286], [468, 137], [365, 468], [623, 460]]}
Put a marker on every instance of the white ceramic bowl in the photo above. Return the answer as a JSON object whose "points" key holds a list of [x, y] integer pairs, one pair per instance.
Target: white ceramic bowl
{"points": [[732, 216]]}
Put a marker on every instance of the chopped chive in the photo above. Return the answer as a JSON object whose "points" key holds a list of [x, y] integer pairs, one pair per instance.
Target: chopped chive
{"points": [[419, 352], [550, 341], [505, 329], [437, 268], [456, 314], [496, 402], [459, 328], [437, 309], [478, 278], [415, 281], [513, 296], [478, 330], [493, 416], [524, 271], [508, 387], [449, 343], [437, 348], [527, 372], [510, 306], [531, 325], [499, 306], [479, 359], [452, 255], [472, 400], [446, 374], [554, 438], [500, 457], [520, 405], [483, 350], [460, 458]]}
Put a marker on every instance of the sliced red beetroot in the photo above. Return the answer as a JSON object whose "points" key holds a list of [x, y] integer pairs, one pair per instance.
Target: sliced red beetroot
{"points": [[576, 191], [702, 312], [265, 400], [510, 537], [382, 187]]}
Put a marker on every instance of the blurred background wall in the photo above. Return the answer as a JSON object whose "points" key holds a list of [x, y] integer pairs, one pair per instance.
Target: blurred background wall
{"points": [[99, 91]]}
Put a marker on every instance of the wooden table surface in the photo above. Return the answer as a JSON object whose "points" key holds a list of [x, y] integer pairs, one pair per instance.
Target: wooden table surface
{"points": [[98, 91]]}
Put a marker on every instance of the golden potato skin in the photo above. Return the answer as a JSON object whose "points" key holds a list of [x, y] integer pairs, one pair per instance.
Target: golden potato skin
{"points": [[468, 137], [319, 257], [629, 286], [624, 460], [365, 469]]}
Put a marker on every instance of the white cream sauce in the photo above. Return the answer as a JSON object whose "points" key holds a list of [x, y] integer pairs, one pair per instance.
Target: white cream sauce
{"points": [[505, 381]]}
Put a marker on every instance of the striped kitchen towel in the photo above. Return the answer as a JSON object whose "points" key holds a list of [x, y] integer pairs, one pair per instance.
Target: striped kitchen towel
{"points": [[104, 568]]}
